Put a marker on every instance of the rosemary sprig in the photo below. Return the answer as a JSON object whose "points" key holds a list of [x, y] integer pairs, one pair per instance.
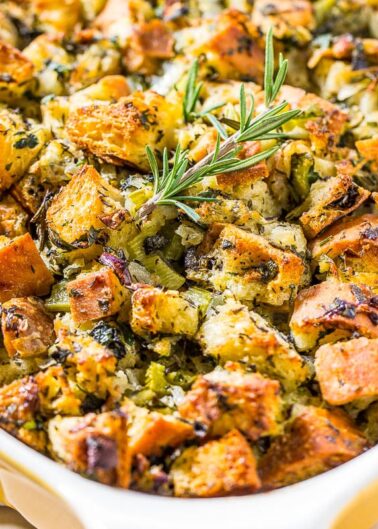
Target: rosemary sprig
{"points": [[170, 183], [191, 98]]}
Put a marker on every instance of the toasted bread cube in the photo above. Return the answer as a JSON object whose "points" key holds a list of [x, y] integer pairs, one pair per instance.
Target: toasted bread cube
{"points": [[315, 441], [16, 71], [330, 200], [353, 245], [236, 334], [27, 328], [285, 16], [328, 123], [85, 211], [348, 371], [150, 431], [56, 15], [339, 309], [102, 58], [227, 56], [218, 468], [22, 270], [95, 445], [150, 42], [230, 398], [13, 218], [248, 265], [96, 295], [119, 17], [368, 148], [19, 405], [157, 311], [355, 235], [89, 363], [19, 145], [58, 394], [119, 132]]}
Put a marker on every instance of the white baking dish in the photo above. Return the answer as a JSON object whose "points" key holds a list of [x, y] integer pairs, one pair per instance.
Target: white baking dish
{"points": [[312, 504]]}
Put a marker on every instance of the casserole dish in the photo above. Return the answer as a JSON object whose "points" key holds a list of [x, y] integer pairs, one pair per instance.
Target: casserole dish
{"points": [[313, 504]]}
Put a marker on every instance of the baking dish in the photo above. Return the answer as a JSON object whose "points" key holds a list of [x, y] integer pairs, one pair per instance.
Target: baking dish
{"points": [[38, 487]]}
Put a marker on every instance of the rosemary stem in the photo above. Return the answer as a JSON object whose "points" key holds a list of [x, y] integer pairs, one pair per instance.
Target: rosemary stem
{"points": [[224, 149]]}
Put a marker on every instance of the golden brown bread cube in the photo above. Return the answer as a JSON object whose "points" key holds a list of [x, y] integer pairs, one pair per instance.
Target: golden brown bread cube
{"points": [[150, 431], [56, 15], [16, 71], [331, 310], [119, 132], [353, 245], [20, 143], [19, 406], [230, 398], [95, 445], [232, 332], [327, 121], [58, 392], [227, 55], [355, 235], [329, 201], [87, 204], [285, 16], [22, 270], [218, 468], [248, 265], [96, 295], [157, 311], [150, 42], [13, 217], [368, 148], [348, 371], [316, 440], [27, 328], [89, 363]]}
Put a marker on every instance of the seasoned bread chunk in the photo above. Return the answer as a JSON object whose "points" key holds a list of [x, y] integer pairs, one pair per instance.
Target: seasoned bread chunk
{"points": [[28, 330], [95, 445], [119, 132], [248, 265], [316, 440], [150, 431], [19, 407], [218, 468], [329, 201], [348, 371], [82, 213], [155, 311], [232, 332], [332, 310], [22, 270], [230, 398], [96, 295]]}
